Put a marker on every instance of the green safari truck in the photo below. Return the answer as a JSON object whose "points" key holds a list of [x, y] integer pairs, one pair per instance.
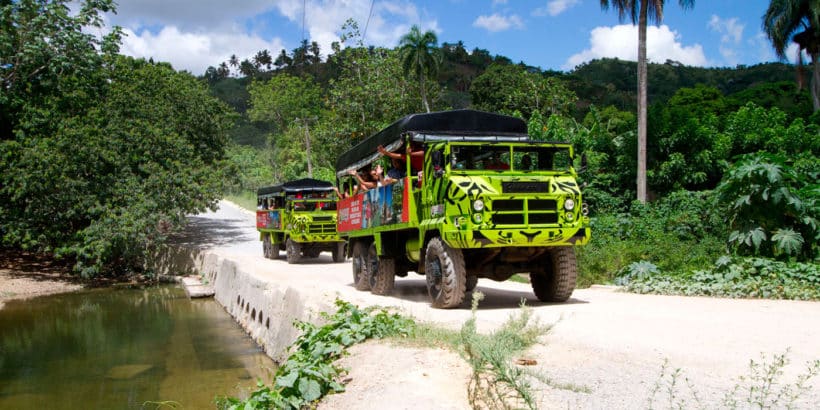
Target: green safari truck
{"points": [[473, 197], [298, 217]]}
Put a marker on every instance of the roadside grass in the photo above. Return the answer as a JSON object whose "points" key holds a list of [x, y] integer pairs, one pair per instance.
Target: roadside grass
{"points": [[497, 380], [245, 199], [763, 387]]}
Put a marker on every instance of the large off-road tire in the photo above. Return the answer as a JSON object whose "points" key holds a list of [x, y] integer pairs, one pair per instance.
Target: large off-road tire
{"points": [[267, 247], [556, 281], [384, 272], [339, 253], [294, 251], [361, 277], [472, 282], [446, 276]]}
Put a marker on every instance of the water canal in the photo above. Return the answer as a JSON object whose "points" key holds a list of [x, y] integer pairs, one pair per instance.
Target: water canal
{"points": [[123, 348]]}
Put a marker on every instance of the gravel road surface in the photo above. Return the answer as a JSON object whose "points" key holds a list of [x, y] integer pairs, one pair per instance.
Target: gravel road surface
{"points": [[606, 349]]}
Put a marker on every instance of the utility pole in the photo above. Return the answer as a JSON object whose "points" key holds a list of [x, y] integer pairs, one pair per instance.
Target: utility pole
{"points": [[305, 123]]}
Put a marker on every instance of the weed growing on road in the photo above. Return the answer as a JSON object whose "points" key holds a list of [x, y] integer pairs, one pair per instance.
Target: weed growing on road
{"points": [[671, 386], [497, 382], [309, 373], [762, 388]]}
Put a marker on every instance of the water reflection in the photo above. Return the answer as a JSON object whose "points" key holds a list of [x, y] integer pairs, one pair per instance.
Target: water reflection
{"points": [[120, 348]]}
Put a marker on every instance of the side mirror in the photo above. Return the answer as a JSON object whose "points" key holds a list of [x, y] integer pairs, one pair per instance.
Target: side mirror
{"points": [[583, 163]]}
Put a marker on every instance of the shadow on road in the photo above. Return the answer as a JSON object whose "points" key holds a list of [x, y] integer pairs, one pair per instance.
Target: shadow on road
{"points": [[416, 290], [209, 232]]}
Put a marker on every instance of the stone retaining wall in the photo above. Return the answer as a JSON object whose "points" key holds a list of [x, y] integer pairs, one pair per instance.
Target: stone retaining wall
{"points": [[265, 310]]}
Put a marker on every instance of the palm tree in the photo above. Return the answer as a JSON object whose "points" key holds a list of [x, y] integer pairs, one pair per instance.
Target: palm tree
{"points": [[420, 55], [797, 21], [642, 10]]}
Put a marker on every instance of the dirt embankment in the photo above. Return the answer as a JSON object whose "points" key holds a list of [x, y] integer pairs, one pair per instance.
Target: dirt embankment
{"points": [[24, 275]]}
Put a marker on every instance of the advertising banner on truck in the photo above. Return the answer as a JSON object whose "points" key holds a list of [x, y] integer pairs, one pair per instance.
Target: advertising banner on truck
{"points": [[384, 205]]}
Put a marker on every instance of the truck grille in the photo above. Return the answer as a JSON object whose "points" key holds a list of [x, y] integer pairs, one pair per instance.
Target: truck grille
{"points": [[523, 212], [322, 228], [517, 205]]}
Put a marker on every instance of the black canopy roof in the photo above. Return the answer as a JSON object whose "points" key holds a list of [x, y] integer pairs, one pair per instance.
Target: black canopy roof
{"points": [[299, 185], [457, 122]]}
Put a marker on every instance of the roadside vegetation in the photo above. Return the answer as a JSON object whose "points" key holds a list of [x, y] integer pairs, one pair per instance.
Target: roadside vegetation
{"points": [[309, 373]]}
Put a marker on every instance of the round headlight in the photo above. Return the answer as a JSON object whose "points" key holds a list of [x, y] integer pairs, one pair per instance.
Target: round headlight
{"points": [[569, 216], [478, 205], [569, 204]]}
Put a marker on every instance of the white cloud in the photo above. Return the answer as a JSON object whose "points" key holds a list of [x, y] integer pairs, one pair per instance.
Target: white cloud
{"points": [[194, 34], [497, 22], [763, 47], [193, 51], [731, 35], [554, 7], [621, 42]]}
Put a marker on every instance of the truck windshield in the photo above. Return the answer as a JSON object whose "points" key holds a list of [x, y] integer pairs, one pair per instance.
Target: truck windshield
{"points": [[314, 205], [516, 158]]}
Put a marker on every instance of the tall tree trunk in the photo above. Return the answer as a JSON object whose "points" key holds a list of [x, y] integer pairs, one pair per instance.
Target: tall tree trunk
{"points": [[815, 83], [642, 86], [307, 147], [423, 93]]}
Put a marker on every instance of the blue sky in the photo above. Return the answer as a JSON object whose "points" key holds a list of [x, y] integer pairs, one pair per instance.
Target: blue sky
{"points": [[551, 34]]}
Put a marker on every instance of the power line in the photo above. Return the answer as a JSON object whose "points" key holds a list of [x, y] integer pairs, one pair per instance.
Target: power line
{"points": [[369, 14], [304, 12]]}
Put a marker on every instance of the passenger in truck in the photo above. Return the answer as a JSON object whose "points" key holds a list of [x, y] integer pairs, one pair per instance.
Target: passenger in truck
{"points": [[367, 178]]}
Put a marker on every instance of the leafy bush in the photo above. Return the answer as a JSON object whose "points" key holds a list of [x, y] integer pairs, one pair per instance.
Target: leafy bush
{"points": [[677, 234], [309, 373], [772, 207], [738, 278]]}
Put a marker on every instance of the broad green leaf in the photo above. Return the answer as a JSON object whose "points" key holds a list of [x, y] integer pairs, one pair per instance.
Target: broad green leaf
{"points": [[757, 236], [288, 379], [788, 241], [309, 389]]}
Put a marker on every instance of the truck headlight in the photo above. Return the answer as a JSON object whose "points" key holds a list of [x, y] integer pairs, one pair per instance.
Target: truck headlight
{"points": [[569, 204], [478, 205], [569, 216]]}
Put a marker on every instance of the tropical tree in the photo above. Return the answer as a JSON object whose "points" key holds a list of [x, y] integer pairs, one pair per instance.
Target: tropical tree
{"points": [[642, 10], [233, 61], [510, 88], [420, 56], [797, 21], [293, 104]]}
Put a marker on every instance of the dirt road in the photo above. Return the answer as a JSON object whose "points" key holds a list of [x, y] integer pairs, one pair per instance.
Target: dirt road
{"points": [[605, 350]]}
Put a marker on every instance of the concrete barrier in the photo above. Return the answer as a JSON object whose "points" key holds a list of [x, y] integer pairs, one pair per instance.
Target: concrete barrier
{"points": [[265, 310]]}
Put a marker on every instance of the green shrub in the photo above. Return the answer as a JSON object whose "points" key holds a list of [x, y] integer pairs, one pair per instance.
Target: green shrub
{"points": [[677, 234], [309, 373], [738, 278], [772, 207]]}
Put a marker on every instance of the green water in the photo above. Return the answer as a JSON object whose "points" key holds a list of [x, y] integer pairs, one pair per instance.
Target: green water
{"points": [[121, 348]]}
